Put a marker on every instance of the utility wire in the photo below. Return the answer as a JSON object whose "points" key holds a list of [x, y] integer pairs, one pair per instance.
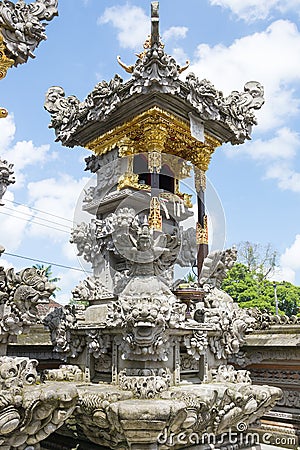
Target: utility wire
{"points": [[39, 210], [34, 222], [34, 217], [46, 262]]}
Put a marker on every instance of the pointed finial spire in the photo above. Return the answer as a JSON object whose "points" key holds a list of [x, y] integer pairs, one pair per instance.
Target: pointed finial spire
{"points": [[154, 24]]}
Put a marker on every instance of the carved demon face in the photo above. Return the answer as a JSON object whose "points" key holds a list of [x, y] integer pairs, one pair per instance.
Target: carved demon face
{"points": [[145, 325]]}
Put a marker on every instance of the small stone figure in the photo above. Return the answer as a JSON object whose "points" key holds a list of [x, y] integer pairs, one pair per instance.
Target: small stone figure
{"points": [[6, 178]]}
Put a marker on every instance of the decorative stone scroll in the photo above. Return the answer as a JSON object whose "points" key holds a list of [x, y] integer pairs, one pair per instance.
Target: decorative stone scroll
{"points": [[30, 412], [150, 386], [23, 28]]}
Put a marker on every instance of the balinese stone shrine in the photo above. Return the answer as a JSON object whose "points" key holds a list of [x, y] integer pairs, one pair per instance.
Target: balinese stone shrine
{"points": [[149, 364]]}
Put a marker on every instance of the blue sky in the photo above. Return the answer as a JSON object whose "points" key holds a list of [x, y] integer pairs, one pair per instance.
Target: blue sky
{"points": [[228, 42]]}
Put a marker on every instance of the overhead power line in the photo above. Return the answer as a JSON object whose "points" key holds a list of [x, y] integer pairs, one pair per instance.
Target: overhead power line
{"points": [[46, 262], [34, 217], [39, 210], [34, 222]]}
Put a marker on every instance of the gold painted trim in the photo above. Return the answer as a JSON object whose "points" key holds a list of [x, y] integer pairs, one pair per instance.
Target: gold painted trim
{"points": [[156, 130], [5, 62], [202, 232]]}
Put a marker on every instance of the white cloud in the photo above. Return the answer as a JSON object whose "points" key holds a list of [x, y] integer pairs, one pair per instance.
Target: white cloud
{"points": [[283, 274], [283, 146], [6, 264], [13, 223], [286, 176], [263, 57], [272, 58], [131, 22], [180, 56], [251, 10], [289, 263], [175, 33], [23, 153], [7, 132], [291, 256], [58, 197]]}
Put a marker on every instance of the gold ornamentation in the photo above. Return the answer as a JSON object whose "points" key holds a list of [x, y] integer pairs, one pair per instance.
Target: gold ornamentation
{"points": [[202, 232], [200, 180], [131, 180], [187, 65], [187, 199], [155, 135], [128, 69], [5, 62], [3, 113], [155, 218], [154, 162], [157, 130]]}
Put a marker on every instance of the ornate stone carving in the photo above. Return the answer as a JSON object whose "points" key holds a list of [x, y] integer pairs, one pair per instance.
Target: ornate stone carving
{"points": [[216, 265], [254, 356], [98, 343], [22, 26], [68, 113], [228, 374], [144, 321], [238, 109], [90, 290], [146, 254], [274, 376], [29, 412], [6, 177], [89, 243], [264, 319], [290, 399], [103, 99], [233, 326], [146, 386], [64, 373], [62, 322], [188, 362], [204, 97], [188, 249], [219, 409], [19, 294], [17, 372], [64, 113], [95, 163], [196, 344], [155, 71]]}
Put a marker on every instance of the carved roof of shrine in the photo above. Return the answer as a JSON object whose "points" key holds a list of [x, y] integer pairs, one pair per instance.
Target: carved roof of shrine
{"points": [[155, 83]]}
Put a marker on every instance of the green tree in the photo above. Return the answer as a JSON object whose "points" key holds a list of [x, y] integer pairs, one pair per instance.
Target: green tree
{"points": [[249, 289], [49, 275]]}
